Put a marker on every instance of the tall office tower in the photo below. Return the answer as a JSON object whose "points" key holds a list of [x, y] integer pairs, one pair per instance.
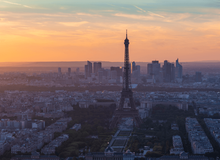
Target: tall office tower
{"points": [[138, 70], [135, 72], [168, 72], [133, 67], [69, 71], [88, 69], [153, 70], [173, 69], [59, 71], [198, 77], [77, 70], [100, 75], [116, 71], [97, 66], [149, 68], [179, 69], [126, 95]]}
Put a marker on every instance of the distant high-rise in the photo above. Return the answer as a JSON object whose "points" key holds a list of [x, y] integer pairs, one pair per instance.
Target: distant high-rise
{"points": [[88, 69], [77, 70], [179, 69], [59, 71], [153, 70], [168, 71], [133, 67], [69, 71], [116, 73], [97, 66]]}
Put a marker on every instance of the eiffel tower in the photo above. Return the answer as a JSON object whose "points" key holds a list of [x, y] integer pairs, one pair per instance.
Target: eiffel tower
{"points": [[126, 94]]}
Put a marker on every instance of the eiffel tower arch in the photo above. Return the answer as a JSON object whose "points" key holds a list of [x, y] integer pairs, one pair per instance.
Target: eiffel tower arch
{"points": [[121, 111]]}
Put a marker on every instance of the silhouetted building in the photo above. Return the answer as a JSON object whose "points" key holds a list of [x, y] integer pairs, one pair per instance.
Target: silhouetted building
{"points": [[59, 71], [100, 76], [179, 69], [184, 155], [168, 72], [97, 66], [88, 69], [69, 71], [77, 71], [133, 67], [135, 72], [34, 156], [116, 73], [153, 70], [198, 77]]}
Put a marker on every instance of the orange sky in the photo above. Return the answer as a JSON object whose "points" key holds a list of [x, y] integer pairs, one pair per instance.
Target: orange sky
{"points": [[33, 32]]}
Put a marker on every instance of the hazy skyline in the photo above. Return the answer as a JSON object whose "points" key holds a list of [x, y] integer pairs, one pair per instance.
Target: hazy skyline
{"points": [[68, 30]]}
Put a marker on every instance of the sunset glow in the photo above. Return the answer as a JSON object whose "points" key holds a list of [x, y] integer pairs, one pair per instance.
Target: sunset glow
{"points": [[68, 30]]}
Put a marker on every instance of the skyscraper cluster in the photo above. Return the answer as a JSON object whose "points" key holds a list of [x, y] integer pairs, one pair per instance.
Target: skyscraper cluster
{"points": [[167, 73], [95, 73]]}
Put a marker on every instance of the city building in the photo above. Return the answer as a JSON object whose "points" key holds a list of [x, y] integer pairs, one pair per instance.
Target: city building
{"points": [[214, 128], [59, 71], [153, 70], [200, 143], [133, 67], [34, 156], [177, 145], [184, 155], [135, 73], [116, 73], [97, 66], [168, 72], [88, 69], [69, 71], [179, 69]]}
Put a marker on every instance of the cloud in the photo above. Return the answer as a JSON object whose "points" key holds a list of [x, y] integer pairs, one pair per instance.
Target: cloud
{"points": [[17, 4], [133, 16], [154, 14], [149, 12], [87, 14], [73, 24], [140, 8]]}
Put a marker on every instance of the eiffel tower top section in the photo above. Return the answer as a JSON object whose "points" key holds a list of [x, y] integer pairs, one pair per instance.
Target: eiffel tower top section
{"points": [[126, 77]]}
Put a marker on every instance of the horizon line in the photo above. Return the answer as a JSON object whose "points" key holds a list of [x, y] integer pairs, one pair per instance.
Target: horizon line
{"points": [[107, 61]]}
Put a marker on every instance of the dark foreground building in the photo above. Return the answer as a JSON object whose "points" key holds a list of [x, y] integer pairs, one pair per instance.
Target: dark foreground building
{"points": [[35, 156], [184, 155]]}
